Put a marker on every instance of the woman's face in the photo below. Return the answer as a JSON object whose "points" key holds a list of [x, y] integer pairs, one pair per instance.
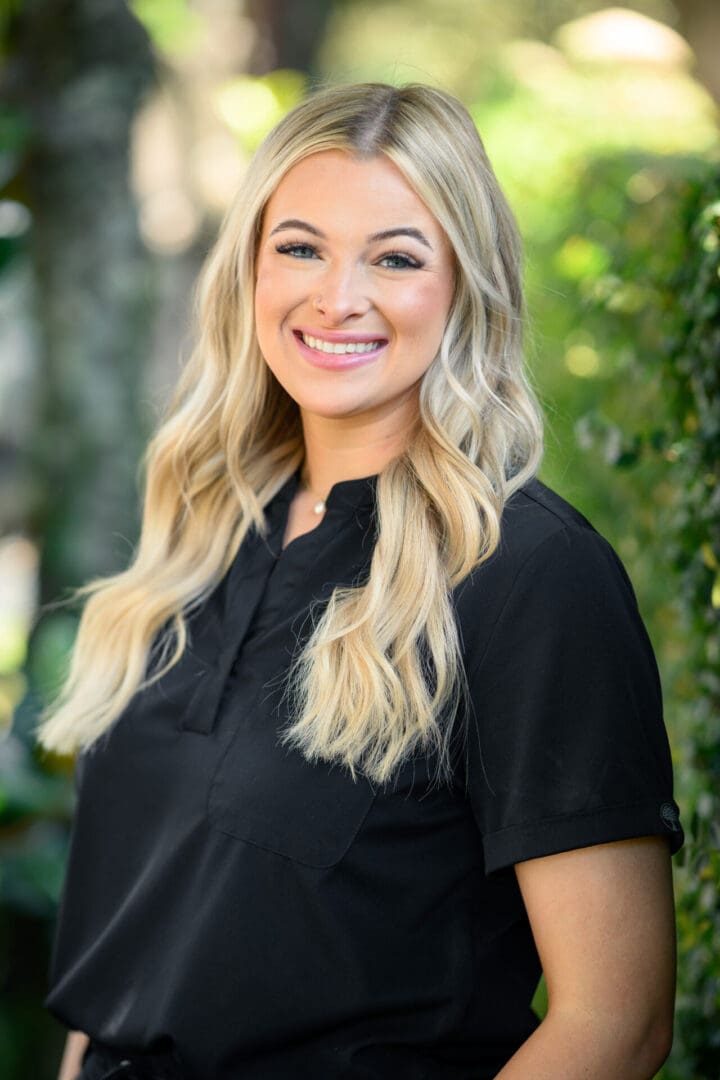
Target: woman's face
{"points": [[354, 281]]}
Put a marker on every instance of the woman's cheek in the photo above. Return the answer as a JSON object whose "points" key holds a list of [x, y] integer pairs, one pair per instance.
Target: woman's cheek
{"points": [[278, 292], [424, 309]]}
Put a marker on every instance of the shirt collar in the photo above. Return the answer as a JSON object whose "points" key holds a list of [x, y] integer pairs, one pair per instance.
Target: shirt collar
{"points": [[354, 493]]}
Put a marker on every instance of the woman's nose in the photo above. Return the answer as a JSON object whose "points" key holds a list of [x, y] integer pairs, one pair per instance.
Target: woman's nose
{"points": [[340, 294]]}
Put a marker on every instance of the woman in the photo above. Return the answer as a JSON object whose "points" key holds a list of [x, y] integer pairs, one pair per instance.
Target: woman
{"points": [[371, 729]]}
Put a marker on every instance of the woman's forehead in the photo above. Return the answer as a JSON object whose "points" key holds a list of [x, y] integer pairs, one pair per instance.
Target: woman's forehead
{"points": [[336, 190]]}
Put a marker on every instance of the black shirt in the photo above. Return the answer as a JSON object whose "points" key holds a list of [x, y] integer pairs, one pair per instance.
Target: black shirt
{"points": [[271, 919]]}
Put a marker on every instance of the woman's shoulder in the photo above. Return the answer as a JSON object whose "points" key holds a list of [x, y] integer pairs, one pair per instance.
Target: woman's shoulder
{"points": [[548, 552], [567, 746], [538, 522], [536, 514]]}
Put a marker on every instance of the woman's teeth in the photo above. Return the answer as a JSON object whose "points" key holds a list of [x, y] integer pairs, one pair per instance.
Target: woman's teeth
{"points": [[346, 347]]}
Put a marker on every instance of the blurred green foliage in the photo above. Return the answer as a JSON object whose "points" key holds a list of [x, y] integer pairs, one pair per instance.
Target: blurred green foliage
{"points": [[34, 804], [691, 370], [251, 106], [650, 309], [677, 352], [619, 208], [172, 24]]}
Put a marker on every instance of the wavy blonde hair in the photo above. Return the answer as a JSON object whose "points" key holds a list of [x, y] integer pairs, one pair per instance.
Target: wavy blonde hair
{"points": [[382, 669]]}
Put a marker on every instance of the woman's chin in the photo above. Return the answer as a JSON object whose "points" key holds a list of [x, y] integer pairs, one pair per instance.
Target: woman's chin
{"points": [[335, 409]]}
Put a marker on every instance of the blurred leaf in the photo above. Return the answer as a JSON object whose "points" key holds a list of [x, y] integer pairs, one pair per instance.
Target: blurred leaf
{"points": [[539, 1003], [252, 106], [26, 791], [715, 593], [171, 24], [32, 869], [580, 257], [52, 647]]}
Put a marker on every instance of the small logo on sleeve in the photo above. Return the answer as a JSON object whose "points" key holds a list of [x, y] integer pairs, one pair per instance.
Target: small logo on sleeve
{"points": [[670, 817]]}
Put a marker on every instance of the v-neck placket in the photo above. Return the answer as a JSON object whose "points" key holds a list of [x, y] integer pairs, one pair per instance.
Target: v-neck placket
{"points": [[266, 582]]}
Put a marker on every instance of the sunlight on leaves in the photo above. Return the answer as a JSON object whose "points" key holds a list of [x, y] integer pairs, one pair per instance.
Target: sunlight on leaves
{"points": [[252, 106], [171, 24]]}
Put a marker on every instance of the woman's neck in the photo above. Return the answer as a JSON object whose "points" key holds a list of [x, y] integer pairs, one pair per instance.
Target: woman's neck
{"points": [[335, 451]]}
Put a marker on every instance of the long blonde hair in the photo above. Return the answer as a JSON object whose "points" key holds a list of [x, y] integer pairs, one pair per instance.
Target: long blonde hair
{"points": [[231, 437]]}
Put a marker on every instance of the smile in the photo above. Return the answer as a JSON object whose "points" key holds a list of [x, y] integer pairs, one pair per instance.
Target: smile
{"points": [[339, 348], [339, 355]]}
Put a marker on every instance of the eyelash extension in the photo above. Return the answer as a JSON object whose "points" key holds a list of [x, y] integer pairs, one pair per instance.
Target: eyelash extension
{"points": [[411, 262], [285, 249]]}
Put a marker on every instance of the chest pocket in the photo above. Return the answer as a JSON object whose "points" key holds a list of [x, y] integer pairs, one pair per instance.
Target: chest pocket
{"points": [[270, 796]]}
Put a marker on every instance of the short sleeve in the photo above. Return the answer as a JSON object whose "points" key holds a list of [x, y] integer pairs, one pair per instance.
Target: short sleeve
{"points": [[567, 745]]}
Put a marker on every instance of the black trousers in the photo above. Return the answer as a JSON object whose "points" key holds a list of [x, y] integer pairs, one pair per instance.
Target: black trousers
{"points": [[103, 1063]]}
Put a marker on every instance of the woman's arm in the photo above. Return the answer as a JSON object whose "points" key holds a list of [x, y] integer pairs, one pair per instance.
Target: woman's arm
{"points": [[72, 1058], [604, 925]]}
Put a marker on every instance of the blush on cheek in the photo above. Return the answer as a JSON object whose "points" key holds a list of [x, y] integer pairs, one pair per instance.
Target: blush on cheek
{"points": [[429, 292], [426, 306], [264, 289]]}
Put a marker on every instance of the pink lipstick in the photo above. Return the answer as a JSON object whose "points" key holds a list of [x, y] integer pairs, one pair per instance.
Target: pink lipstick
{"points": [[339, 361]]}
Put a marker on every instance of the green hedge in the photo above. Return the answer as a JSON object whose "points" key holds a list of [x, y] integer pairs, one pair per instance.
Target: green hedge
{"points": [[690, 371], [660, 292]]}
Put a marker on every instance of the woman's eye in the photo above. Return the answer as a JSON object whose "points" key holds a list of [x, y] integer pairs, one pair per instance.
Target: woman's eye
{"points": [[394, 260], [298, 251]]}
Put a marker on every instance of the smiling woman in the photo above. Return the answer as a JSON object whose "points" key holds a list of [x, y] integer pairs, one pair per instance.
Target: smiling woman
{"points": [[331, 297], [371, 729]]}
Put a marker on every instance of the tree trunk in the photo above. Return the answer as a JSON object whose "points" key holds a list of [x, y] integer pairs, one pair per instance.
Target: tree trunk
{"points": [[699, 23], [78, 70], [289, 33]]}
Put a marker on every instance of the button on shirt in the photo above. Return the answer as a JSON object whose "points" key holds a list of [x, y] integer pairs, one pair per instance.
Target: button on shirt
{"points": [[269, 918]]}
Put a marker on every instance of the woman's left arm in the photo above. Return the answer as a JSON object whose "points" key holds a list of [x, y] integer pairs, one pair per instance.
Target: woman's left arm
{"points": [[604, 925]]}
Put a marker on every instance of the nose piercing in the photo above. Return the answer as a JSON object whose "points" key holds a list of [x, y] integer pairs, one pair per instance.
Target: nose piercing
{"points": [[317, 303]]}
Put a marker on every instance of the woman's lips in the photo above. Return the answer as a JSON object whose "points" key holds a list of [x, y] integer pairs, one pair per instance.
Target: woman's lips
{"points": [[337, 361]]}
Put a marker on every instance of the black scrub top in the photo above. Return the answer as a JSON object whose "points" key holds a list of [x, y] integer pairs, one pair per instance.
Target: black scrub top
{"points": [[272, 919]]}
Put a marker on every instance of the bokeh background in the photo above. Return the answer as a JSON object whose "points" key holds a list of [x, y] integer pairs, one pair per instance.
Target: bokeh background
{"points": [[124, 128]]}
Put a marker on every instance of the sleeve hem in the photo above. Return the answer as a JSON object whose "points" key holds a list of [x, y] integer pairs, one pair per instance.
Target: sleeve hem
{"points": [[655, 817]]}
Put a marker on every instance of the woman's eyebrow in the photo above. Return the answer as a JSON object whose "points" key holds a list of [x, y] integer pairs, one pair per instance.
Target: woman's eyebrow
{"points": [[402, 230], [386, 234], [296, 223]]}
